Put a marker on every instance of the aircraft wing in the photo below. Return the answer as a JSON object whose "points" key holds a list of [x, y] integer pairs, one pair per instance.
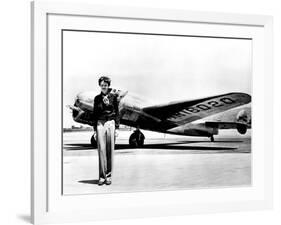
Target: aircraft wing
{"points": [[183, 112]]}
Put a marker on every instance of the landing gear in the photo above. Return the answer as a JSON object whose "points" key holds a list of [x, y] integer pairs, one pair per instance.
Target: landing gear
{"points": [[136, 139], [212, 138], [94, 142]]}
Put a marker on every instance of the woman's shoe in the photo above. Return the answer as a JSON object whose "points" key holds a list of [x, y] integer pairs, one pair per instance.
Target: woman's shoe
{"points": [[107, 181], [101, 182]]}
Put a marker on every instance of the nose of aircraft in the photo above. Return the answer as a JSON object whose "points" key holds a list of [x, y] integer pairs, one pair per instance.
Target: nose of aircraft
{"points": [[87, 96], [85, 100]]}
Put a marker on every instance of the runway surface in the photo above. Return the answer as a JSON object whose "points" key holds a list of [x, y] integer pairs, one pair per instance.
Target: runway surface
{"points": [[166, 162]]}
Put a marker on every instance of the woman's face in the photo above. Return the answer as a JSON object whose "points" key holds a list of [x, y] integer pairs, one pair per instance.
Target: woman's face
{"points": [[104, 87]]}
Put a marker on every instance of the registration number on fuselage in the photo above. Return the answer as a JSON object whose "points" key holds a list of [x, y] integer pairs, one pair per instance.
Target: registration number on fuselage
{"points": [[204, 107]]}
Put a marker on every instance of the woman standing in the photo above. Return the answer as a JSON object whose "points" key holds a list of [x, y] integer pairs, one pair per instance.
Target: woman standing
{"points": [[106, 123]]}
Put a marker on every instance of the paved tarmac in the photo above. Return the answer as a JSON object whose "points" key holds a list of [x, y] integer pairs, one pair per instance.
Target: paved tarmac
{"points": [[166, 162]]}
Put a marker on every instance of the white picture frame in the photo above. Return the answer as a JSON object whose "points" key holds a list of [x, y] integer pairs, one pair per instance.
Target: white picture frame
{"points": [[47, 203]]}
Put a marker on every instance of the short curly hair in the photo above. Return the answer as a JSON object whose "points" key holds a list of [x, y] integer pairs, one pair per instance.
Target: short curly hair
{"points": [[105, 79]]}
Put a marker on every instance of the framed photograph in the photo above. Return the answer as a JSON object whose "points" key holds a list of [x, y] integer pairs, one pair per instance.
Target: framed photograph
{"points": [[141, 112]]}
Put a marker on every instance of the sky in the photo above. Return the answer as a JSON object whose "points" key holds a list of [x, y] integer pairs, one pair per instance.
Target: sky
{"points": [[157, 68]]}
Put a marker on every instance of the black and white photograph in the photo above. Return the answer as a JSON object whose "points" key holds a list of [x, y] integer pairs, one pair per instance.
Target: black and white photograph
{"points": [[148, 112]]}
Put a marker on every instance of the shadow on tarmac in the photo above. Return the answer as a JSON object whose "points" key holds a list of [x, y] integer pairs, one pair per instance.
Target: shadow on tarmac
{"points": [[89, 181], [166, 146]]}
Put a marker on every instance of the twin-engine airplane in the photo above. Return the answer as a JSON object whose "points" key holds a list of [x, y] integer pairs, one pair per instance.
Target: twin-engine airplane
{"points": [[198, 117]]}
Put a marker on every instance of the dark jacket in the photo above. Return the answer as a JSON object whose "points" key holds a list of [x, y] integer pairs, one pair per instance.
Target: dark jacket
{"points": [[105, 112]]}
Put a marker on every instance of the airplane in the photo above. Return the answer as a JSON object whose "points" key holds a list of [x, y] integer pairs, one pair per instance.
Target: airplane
{"points": [[197, 117]]}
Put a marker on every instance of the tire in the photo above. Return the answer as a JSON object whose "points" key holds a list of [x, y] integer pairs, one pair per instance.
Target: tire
{"points": [[133, 143], [140, 143], [242, 129], [94, 142]]}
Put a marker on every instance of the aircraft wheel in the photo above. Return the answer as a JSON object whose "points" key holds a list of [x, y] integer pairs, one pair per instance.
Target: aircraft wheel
{"points": [[134, 143], [94, 142], [212, 138]]}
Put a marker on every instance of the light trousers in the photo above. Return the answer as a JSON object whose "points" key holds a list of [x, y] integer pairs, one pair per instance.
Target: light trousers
{"points": [[106, 145]]}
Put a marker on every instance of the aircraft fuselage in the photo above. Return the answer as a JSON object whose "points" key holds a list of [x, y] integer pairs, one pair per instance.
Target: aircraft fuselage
{"points": [[132, 114]]}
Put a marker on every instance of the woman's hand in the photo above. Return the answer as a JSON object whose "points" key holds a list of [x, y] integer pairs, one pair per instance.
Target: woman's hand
{"points": [[105, 100]]}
